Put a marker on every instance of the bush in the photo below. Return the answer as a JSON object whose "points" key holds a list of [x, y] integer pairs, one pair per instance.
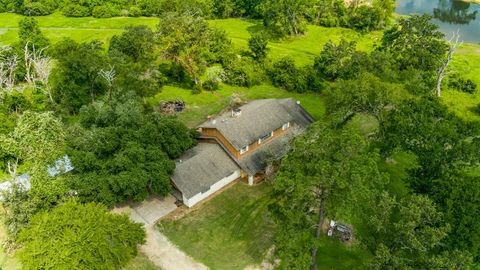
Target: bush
{"points": [[37, 9], [258, 45], [106, 11], [134, 11], [365, 19], [74, 10], [463, 85], [244, 71]]}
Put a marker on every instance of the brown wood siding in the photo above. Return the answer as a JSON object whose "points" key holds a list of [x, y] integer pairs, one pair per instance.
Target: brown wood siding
{"points": [[276, 133], [214, 133], [207, 133]]}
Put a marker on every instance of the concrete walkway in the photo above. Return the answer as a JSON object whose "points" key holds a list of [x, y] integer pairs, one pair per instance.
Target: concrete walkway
{"points": [[157, 247]]}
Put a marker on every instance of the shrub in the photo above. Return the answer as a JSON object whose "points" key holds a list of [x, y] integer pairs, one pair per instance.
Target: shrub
{"points": [[37, 9], [106, 11], [258, 45], [134, 11], [74, 10], [463, 85], [365, 19], [244, 71]]}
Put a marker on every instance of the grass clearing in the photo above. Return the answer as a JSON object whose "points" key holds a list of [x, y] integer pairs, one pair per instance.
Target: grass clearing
{"points": [[230, 231], [466, 62], [304, 48], [199, 106], [334, 255]]}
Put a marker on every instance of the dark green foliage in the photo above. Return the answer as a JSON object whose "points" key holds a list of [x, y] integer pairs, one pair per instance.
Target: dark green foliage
{"points": [[258, 46], [331, 13], [76, 236], [29, 32], [463, 85], [137, 43], [415, 42], [75, 78], [284, 74], [434, 135], [74, 10], [336, 61], [408, 233], [105, 11], [459, 197], [190, 43], [366, 94], [285, 17], [244, 71], [121, 152], [329, 171], [365, 19]]}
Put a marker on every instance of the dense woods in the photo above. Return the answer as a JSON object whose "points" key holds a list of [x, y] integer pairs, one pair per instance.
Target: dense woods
{"points": [[87, 101]]}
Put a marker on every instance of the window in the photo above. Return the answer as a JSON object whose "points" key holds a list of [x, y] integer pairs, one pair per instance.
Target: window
{"points": [[265, 137], [243, 150], [285, 126]]}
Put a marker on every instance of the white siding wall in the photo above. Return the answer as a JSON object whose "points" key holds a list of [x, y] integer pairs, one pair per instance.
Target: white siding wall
{"points": [[214, 188]]}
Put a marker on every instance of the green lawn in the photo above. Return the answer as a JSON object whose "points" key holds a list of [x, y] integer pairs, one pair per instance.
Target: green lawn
{"points": [[466, 62], [141, 262], [231, 231], [57, 26], [334, 255], [199, 106]]}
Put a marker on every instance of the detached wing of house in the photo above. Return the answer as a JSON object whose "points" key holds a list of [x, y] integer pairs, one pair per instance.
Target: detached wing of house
{"points": [[238, 144]]}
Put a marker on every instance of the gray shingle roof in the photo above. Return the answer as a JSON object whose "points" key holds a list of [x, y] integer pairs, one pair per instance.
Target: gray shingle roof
{"points": [[257, 118], [258, 160], [201, 167]]}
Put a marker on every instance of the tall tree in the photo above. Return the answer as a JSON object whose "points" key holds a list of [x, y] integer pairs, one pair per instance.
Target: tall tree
{"points": [[286, 17], [415, 42], [191, 43], [327, 174], [121, 152], [76, 236], [75, 78]]}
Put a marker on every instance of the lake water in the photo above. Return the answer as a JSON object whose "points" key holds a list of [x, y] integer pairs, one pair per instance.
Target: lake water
{"points": [[450, 15]]}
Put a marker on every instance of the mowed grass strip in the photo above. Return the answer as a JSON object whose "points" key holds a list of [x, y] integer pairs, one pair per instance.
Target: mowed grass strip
{"points": [[231, 231]]}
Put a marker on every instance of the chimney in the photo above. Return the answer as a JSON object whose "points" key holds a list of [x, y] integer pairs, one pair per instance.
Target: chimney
{"points": [[236, 112]]}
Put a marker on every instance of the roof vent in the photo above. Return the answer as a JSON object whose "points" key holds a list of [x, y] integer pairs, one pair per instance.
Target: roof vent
{"points": [[236, 112]]}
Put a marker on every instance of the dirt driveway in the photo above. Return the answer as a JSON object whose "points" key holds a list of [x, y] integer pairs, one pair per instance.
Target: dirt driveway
{"points": [[157, 247]]}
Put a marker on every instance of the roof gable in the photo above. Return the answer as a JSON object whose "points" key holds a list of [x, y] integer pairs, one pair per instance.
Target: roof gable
{"points": [[258, 118]]}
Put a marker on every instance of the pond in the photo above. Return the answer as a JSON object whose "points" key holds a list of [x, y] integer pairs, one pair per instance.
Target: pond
{"points": [[450, 16]]}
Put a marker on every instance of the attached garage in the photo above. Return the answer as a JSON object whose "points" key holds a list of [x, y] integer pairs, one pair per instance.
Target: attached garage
{"points": [[202, 171]]}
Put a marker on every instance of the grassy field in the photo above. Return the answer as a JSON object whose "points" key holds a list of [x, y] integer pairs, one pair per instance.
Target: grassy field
{"points": [[304, 48], [199, 106], [57, 27], [231, 231]]}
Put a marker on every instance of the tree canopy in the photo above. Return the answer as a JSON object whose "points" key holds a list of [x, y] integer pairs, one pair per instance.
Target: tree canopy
{"points": [[79, 236]]}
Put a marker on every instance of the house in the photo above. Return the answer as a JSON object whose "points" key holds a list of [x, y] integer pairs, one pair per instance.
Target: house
{"points": [[237, 144]]}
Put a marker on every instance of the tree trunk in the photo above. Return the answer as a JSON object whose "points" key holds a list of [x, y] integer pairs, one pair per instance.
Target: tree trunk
{"points": [[321, 217], [442, 70]]}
